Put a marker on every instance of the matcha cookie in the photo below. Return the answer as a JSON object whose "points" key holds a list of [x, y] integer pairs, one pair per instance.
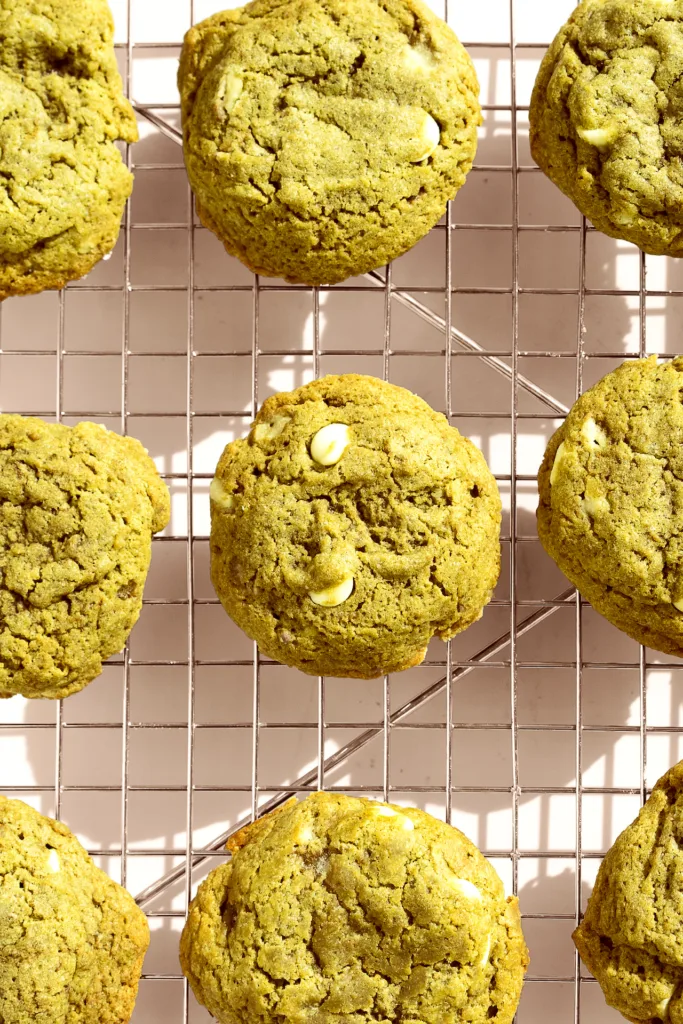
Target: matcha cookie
{"points": [[72, 941], [611, 500], [78, 507], [352, 526], [63, 184], [341, 909], [631, 937], [606, 119], [324, 138]]}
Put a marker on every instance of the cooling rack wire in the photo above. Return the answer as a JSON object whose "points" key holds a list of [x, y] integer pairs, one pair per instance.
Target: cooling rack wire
{"points": [[530, 730]]}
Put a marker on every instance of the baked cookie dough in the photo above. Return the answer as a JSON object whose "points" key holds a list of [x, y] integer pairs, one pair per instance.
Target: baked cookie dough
{"points": [[611, 500], [63, 184], [72, 941], [606, 119], [351, 526], [325, 137], [630, 937], [341, 909], [78, 507]]}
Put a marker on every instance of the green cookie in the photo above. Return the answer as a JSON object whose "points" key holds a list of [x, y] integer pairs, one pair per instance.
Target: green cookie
{"points": [[611, 500], [352, 526], [631, 937], [72, 941], [78, 507], [339, 910], [607, 119], [63, 184], [325, 137]]}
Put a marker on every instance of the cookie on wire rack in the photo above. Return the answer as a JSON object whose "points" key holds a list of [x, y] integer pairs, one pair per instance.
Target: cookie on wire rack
{"points": [[351, 526], [78, 507], [605, 119], [342, 909], [72, 941], [630, 936], [324, 138], [63, 183]]}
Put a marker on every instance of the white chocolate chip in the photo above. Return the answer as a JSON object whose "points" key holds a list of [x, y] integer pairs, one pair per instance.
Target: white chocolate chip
{"points": [[219, 496], [598, 137], [678, 605], [305, 835], [466, 887], [330, 443], [333, 596], [627, 216], [595, 506], [401, 819], [418, 58], [594, 434], [429, 138], [487, 952], [555, 472], [53, 862], [269, 431], [229, 91]]}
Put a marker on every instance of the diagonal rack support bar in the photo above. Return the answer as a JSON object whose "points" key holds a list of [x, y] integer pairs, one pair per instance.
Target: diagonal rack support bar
{"points": [[410, 302], [344, 753]]}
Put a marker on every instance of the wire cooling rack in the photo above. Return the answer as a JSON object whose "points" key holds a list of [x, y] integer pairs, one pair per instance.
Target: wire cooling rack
{"points": [[530, 730]]}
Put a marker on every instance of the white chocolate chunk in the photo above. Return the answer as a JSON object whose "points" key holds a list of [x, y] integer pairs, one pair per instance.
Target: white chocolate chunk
{"points": [[269, 431], [401, 819], [624, 216], [594, 434], [305, 835], [330, 443], [466, 887], [678, 605], [333, 596], [53, 862], [598, 137], [555, 472], [418, 58], [594, 506], [229, 91], [219, 496], [429, 138], [487, 952]]}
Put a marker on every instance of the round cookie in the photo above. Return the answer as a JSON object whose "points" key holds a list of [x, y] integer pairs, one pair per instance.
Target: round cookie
{"points": [[606, 115], [72, 941], [611, 500], [631, 937], [63, 184], [324, 138], [342, 909], [78, 507], [351, 526]]}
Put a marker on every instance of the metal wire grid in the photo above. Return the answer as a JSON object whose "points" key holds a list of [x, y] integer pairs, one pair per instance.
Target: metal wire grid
{"points": [[524, 615]]}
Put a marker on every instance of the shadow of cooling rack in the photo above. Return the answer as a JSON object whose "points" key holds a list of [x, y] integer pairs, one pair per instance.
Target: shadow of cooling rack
{"points": [[567, 597]]}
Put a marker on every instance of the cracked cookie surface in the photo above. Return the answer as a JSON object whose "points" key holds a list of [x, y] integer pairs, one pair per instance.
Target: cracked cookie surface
{"points": [[631, 937], [350, 569], [78, 506], [323, 138], [340, 909], [63, 184], [72, 941], [611, 500], [606, 119]]}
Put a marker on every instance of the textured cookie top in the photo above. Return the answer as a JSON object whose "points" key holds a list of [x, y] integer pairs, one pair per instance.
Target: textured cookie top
{"points": [[63, 184], [606, 118], [631, 937], [324, 137], [611, 499], [351, 526], [72, 941], [78, 506], [341, 909]]}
